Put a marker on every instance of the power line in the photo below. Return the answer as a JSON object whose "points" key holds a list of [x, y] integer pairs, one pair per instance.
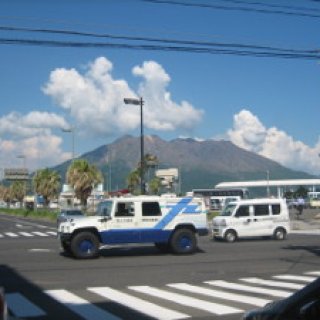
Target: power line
{"points": [[298, 8], [239, 52], [157, 40], [233, 8]]}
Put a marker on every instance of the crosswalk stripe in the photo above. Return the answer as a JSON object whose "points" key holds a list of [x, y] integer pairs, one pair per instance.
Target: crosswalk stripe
{"points": [[22, 307], [1, 235], [211, 307], [220, 294], [80, 306], [138, 304], [41, 234], [313, 273], [241, 287], [11, 234], [26, 234], [273, 283], [295, 277], [52, 233]]}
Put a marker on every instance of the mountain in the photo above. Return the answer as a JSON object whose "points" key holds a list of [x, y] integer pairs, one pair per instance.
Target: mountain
{"points": [[202, 164]]}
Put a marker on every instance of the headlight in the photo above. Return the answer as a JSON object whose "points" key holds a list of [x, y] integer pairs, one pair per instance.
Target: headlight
{"points": [[220, 222], [223, 223]]}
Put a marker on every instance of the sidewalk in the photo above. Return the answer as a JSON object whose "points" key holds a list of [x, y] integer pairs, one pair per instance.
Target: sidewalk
{"points": [[308, 222]]}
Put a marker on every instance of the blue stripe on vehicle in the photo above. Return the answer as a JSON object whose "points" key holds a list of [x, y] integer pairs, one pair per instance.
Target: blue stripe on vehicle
{"points": [[175, 210]]}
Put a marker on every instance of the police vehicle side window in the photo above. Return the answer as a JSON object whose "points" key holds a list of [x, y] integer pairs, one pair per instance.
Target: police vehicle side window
{"points": [[261, 210], [243, 211], [150, 209], [276, 209], [125, 209]]}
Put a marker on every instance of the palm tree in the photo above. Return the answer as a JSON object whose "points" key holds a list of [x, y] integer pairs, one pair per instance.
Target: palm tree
{"points": [[149, 162], [18, 191], [155, 185], [47, 183], [6, 195], [133, 180], [83, 177]]}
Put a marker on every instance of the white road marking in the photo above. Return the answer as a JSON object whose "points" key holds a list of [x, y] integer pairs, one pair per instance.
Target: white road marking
{"points": [[220, 294], [295, 277], [313, 273], [52, 233], [11, 234], [40, 250], [271, 283], [138, 304], [241, 287], [22, 307], [80, 306], [41, 234], [26, 234], [211, 307]]}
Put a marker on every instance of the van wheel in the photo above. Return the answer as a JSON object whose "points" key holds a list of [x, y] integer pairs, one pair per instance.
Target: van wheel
{"points": [[279, 234], [85, 245], [183, 241], [230, 236]]}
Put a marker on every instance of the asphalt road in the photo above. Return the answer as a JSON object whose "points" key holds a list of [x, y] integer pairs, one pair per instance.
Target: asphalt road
{"points": [[36, 275]]}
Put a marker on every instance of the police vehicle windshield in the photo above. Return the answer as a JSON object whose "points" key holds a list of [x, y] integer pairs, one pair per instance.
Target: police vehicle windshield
{"points": [[104, 208]]}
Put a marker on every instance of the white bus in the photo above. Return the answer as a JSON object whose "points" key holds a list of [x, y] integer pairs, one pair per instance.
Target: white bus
{"points": [[314, 199], [216, 199]]}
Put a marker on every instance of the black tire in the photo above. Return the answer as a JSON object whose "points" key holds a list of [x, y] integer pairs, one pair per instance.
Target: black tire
{"points": [[280, 234], [85, 245], [66, 247], [162, 246], [230, 236], [183, 241]]}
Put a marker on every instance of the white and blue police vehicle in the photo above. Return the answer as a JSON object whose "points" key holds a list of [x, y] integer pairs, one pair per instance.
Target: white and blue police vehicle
{"points": [[171, 223]]}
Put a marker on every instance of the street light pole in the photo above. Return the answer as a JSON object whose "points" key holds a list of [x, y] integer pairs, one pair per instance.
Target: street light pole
{"points": [[23, 157], [139, 102], [70, 130]]}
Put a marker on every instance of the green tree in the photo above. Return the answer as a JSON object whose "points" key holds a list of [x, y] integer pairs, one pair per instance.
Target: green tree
{"points": [[6, 195], [83, 177], [133, 181], [155, 185], [150, 162], [47, 183], [18, 190]]}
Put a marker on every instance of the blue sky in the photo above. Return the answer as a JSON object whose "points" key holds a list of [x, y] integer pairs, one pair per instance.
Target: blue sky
{"points": [[265, 105]]}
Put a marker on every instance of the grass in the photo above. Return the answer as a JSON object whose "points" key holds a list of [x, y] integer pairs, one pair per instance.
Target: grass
{"points": [[43, 214], [51, 215], [212, 214]]}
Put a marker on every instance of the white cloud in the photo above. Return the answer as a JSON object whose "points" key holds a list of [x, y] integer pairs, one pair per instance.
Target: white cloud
{"points": [[95, 99], [162, 113], [35, 122], [249, 133], [31, 135]]}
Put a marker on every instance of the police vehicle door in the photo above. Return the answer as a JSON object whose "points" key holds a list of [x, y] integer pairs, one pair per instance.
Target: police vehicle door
{"points": [[123, 227]]}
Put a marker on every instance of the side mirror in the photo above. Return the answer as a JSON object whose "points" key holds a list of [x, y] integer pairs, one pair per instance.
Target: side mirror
{"points": [[310, 311]]}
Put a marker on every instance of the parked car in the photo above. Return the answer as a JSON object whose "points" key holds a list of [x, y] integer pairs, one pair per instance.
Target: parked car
{"points": [[66, 214], [302, 305]]}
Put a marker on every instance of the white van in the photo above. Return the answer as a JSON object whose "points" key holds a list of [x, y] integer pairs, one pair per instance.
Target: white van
{"points": [[252, 218]]}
